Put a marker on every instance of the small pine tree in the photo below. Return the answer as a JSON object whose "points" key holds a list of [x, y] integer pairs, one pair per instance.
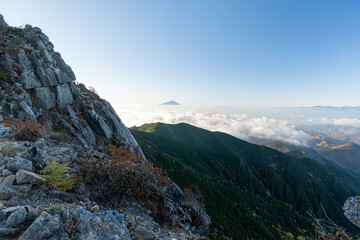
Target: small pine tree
{"points": [[55, 176]]}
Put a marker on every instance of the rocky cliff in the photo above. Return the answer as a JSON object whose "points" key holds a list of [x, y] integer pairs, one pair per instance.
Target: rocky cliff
{"points": [[37, 83], [76, 125]]}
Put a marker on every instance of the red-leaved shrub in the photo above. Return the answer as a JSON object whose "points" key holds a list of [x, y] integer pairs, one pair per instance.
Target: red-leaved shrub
{"points": [[124, 177], [27, 130]]}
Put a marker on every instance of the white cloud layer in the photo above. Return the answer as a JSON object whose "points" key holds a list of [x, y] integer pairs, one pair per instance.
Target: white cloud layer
{"points": [[240, 125], [353, 122]]}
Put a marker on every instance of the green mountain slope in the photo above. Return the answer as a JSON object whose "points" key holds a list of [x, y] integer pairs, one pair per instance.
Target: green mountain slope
{"points": [[298, 150], [248, 190], [334, 158], [346, 155]]}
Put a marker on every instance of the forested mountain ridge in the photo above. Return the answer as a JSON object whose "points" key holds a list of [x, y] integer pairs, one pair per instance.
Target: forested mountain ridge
{"points": [[242, 183]]}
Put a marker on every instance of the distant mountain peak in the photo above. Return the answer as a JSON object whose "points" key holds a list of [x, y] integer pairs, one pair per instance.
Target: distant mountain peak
{"points": [[171, 102]]}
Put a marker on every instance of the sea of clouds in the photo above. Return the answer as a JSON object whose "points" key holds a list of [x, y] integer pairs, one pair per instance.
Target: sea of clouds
{"points": [[248, 124], [239, 124], [353, 122]]}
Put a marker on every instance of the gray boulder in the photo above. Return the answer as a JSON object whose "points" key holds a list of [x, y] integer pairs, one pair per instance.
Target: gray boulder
{"points": [[141, 233], [101, 225], [32, 213], [23, 176], [40, 143], [2, 216], [8, 181], [7, 193], [11, 150], [10, 210], [6, 173], [352, 210], [38, 157], [23, 188], [8, 233], [16, 218], [4, 131], [17, 200], [43, 227], [18, 163]]}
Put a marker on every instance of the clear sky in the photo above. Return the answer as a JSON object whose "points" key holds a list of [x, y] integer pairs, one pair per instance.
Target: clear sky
{"points": [[205, 53]]}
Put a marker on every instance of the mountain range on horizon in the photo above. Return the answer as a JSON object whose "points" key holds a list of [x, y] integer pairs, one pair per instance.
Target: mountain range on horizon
{"points": [[336, 107]]}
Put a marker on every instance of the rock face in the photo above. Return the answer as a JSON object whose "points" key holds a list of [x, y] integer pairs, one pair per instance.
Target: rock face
{"points": [[352, 210], [2, 22], [36, 83], [42, 86]]}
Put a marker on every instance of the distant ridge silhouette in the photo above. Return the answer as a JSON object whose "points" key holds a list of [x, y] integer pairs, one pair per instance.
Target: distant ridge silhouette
{"points": [[171, 102]]}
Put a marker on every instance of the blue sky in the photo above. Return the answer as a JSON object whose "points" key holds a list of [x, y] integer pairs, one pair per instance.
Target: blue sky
{"points": [[206, 53]]}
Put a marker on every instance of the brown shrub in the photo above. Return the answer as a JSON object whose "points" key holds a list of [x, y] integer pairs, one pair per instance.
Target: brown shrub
{"points": [[27, 130], [194, 207], [124, 176]]}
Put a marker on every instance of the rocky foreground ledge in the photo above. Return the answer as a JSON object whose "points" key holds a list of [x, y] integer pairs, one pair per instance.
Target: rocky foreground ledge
{"points": [[28, 211], [75, 126]]}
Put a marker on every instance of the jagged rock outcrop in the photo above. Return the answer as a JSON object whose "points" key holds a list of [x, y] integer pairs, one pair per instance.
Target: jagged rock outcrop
{"points": [[35, 83], [352, 210]]}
